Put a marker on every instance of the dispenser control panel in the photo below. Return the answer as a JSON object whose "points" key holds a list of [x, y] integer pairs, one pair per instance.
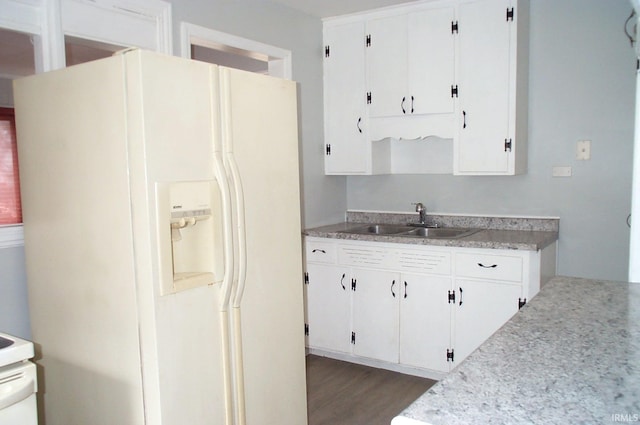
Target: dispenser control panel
{"points": [[190, 234]]}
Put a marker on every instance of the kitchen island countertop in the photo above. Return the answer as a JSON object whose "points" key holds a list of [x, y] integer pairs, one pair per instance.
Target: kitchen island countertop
{"points": [[572, 354]]}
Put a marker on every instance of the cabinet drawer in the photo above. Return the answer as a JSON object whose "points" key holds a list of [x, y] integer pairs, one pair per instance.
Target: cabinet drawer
{"points": [[320, 252], [489, 267], [422, 261]]}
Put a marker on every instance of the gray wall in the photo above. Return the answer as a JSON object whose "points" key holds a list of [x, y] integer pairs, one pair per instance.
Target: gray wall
{"points": [[582, 86], [14, 317]]}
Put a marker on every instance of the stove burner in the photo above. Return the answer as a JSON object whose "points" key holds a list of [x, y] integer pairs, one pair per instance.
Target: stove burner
{"points": [[4, 342]]}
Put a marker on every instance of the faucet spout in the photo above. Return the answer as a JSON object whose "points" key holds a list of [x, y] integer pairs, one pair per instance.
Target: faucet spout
{"points": [[422, 211]]}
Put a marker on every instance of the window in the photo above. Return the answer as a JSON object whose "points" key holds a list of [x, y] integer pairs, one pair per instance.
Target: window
{"points": [[10, 208]]}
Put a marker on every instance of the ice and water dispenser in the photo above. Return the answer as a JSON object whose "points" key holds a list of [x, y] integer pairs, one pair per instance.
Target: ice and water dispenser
{"points": [[189, 215]]}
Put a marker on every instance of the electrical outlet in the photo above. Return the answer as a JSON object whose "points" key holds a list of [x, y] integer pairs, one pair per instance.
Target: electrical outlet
{"points": [[583, 150], [561, 171]]}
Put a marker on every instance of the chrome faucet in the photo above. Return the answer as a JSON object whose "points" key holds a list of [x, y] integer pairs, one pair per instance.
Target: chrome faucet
{"points": [[422, 211]]}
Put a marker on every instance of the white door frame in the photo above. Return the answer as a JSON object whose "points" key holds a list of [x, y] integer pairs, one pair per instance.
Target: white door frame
{"points": [[279, 60]]}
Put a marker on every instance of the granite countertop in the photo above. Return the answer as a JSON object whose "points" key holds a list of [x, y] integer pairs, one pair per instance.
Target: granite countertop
{"points": [[494, 233], [571, 354]]}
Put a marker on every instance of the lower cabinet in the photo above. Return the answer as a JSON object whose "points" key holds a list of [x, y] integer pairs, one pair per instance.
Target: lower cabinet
{"points": [[328, 303], [376, 314], [423, 308], [425, 322], [481, 308]]}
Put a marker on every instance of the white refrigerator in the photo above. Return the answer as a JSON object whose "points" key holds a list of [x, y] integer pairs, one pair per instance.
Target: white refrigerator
{"points": [[163, 247]]}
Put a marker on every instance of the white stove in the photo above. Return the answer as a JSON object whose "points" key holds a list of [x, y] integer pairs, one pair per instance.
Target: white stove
{"points": [[14, 349], [18, 383]]}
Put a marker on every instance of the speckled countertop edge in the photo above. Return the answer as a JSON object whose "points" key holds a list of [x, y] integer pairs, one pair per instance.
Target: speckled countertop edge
{"points": [[573, 352], [495, 232]]}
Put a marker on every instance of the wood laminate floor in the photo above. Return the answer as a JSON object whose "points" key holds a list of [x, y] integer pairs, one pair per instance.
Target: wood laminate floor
{"points": [[342, 393]]}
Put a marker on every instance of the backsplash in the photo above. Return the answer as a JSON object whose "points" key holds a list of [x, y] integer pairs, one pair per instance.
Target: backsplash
{"points": [[549, 224]]}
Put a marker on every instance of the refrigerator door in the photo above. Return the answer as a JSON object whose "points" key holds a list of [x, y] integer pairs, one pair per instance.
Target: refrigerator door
{"points": [[72, 132], [173, 134], [268, 306]]}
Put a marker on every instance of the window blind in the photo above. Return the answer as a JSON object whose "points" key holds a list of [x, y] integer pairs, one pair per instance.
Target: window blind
{"points": [[10, 208]]}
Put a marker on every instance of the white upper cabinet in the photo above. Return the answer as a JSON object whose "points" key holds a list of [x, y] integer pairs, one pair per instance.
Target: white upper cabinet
{"points": [[491, 128], [433, 87], [410, 63], [346, 142], [386, 62], [431, 58]]}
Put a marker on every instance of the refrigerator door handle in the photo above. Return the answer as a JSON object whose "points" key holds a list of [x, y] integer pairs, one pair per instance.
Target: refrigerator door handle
{"points": [[240, 227], [227, 229]]}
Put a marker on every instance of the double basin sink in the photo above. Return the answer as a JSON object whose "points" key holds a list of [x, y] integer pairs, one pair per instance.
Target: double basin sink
{"points": [[411, 231]]}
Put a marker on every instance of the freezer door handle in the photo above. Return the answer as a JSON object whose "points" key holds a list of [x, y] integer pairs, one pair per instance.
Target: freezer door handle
{"points": [[15, 391]]}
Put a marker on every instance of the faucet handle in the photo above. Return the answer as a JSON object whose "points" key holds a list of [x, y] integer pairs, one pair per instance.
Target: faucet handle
{"points": [[419, 206]]}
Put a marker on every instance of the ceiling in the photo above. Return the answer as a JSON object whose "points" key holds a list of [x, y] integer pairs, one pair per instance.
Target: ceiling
{"points": [[328, 8]]}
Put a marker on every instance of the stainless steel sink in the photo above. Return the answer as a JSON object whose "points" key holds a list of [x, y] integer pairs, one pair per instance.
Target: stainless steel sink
{"points": [[440, 232], [412, 231], [379, 229]]}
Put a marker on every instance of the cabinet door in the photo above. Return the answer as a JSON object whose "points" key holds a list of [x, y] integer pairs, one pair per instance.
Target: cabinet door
{"points": [[346, 149], [431, 61], [410, 63], [481, 308], [483, 84], [425, 321], [329, 307], [375, 314], [387, 66]]}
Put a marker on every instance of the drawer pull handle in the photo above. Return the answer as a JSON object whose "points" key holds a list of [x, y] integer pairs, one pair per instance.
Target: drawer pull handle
{"points": [[319, 250], [392, 285], [405, 289], [342, 282], [493, 266], [460, 297]]}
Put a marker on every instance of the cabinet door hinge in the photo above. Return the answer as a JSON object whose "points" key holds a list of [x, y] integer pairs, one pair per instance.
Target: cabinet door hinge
{"points": [[454, 91], [353, 337], [451, 297], [367, 40], [510, 14], [507, 145], [328, 148], [454, 27], [306, 278], [353, 284], [327, 51], [368, 98], [521, 302], [306, 329], [449, 355]]}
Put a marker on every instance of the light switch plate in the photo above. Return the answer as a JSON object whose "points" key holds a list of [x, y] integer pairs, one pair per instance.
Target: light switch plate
{"points": [[561, 171], [583, 150]]}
